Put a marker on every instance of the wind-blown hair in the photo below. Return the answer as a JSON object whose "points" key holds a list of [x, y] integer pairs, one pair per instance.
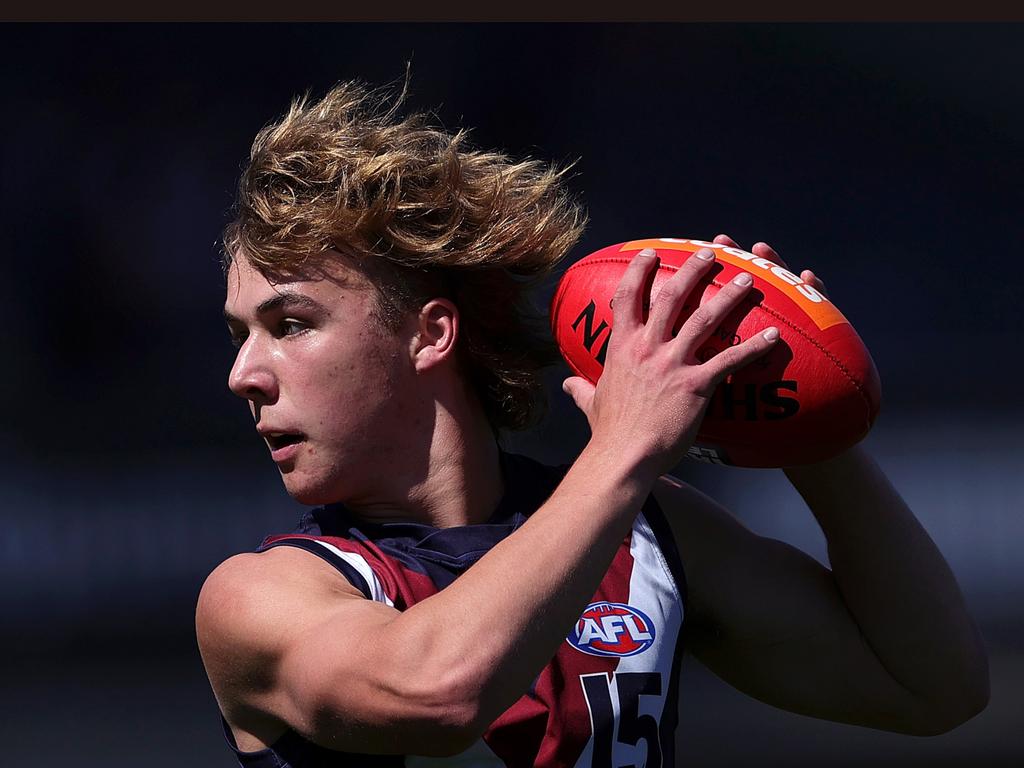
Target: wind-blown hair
{"points": [[427, 214]]}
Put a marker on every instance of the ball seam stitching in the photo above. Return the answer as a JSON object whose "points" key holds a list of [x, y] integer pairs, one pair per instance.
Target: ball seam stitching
{"points": [[856, 384]]}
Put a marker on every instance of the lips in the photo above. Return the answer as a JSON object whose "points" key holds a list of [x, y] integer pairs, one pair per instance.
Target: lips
{"points": [[283, 444], [277, 440]]}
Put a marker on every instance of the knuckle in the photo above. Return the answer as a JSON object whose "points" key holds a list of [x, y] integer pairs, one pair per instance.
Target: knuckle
{"points": [[732, 359], [729, 358], [622, 292], [625, 293], [702, 319], [672, 291]]}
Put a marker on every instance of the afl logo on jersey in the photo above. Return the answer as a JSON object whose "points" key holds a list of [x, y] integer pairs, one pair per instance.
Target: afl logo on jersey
{"points": [[612, 629]]}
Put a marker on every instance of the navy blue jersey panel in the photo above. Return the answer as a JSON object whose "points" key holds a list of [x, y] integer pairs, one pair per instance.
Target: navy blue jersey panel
{"points": [[444, 553], [441, 554]]}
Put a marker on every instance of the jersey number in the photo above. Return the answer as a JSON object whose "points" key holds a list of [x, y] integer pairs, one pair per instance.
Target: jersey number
{"points": [[632, 725]]}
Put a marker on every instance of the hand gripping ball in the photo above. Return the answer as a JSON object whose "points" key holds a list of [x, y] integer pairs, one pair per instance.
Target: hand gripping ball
{"points": [[815, 394]]}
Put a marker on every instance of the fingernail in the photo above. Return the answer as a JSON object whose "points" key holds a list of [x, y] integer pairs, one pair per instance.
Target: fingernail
{"points": [[743, 279], [706, 254], [648, 252], [771, 334]]}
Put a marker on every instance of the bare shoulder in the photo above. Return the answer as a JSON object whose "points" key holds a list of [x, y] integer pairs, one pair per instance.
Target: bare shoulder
{"points": [[249, 611]]}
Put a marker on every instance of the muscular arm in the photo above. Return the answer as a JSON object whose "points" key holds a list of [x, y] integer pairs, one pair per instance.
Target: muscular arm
{"points": [[882, 639], [284, 646], [897, 584], [280, 638]]}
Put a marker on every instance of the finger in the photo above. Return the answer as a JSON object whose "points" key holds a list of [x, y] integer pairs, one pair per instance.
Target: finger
{"points": [[809, 277], [732, 359], [628, 302], [765, 251], [673, 294], [726, 240], [707, 317], [582, 393]]}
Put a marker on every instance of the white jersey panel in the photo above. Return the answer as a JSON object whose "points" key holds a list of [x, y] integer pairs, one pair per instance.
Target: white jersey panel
{"points": [[377, 593], [641, 682]]}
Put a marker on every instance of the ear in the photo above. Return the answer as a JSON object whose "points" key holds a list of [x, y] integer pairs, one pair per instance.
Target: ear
{"points": [[436, 334]]}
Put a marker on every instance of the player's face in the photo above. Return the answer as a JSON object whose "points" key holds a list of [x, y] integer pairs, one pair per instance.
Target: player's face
{"points": [[323, 380]]}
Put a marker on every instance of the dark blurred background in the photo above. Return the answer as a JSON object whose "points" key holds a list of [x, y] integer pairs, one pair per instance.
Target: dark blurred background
{"points": [[886, 157]]}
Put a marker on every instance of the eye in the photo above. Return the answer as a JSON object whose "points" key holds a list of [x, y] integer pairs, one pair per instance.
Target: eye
{"points": [[290, 327], [238, 339]]}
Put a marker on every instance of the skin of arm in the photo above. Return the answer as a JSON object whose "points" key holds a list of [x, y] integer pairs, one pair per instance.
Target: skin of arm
{"points": [[283, 642], [898, 585], [286, 644], [774, 623], [882, 638]]}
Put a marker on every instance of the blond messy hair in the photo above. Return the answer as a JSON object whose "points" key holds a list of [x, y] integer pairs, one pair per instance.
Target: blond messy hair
{"points": [[427, 214]]}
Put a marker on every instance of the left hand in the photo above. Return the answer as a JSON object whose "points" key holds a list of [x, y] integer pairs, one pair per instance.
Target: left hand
{"points": [[765, 251]]}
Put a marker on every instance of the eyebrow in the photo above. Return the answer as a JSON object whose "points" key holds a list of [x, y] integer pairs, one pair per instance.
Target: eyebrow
{"points": [[283, 300]]}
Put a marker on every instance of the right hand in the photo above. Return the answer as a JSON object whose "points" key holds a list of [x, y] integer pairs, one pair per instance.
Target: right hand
{"points": [[653, 392]]}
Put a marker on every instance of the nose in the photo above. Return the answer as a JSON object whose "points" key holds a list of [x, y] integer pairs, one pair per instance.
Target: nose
{"points": [[252, 377]]}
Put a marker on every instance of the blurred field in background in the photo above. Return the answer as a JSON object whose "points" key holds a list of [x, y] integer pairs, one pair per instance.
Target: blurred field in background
{"points": [[102, 595], [887, 157]]}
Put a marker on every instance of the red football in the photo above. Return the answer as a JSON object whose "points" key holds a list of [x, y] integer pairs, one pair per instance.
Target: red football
{"points": [[813, 395]]}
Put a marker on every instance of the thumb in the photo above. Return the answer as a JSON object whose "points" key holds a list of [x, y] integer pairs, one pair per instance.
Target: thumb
{"points": [[581, 391]]}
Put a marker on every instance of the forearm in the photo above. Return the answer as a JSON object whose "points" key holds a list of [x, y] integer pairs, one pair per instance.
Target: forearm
{"points": [[492, 631], [894, 581]]}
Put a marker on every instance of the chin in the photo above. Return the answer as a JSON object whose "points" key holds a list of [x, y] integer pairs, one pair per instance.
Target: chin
{"points": [[311, 491], [309, 494]]}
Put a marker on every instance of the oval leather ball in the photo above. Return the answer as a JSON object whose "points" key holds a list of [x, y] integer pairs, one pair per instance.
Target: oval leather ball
{"points": [[815, 394]]}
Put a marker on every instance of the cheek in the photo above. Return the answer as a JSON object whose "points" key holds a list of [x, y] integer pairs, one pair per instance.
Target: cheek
{"points": [[362, 384]]}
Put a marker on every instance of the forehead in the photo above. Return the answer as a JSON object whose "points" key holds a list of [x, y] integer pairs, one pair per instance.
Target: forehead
{"points": [[328, 280]]}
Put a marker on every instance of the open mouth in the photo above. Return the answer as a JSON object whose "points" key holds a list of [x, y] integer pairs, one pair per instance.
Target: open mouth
{"points": [[280, 440]]}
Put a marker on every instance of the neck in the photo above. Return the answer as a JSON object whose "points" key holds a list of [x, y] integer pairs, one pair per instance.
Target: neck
{"points": [[460, 481]]}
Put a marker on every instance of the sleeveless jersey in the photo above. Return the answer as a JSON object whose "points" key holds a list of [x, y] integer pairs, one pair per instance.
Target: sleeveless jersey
{"points": [[608, 698]]}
